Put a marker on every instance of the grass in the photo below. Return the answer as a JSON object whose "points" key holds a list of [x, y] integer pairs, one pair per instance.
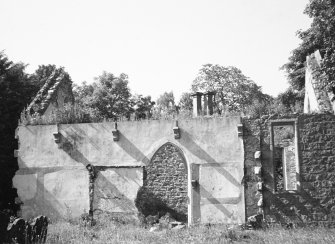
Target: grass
{"points": [[109, 232]]}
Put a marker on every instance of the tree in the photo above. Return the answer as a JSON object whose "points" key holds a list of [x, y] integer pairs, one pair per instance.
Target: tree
{"points": [[186, 102], [291, 100], [165, 106], [16, 91], [109, 96], [83, 94], [142, 106], [166, 101], [234, 91], [321, 35]]}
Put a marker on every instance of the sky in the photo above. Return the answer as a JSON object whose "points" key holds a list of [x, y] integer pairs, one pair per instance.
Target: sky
{"points": [[159, 44]]}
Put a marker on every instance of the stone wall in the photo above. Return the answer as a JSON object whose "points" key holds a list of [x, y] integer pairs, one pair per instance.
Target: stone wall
{"points": [[66, 170], [317, 99], [165, 184], [317, 159], [314, 200], [115, 189], [252, 144], [211, 174]]}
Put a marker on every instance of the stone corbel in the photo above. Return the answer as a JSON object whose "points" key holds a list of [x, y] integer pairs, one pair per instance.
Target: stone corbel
{"points": [[176, 131], [258, 173], [57, 135], [116, 133], [240, 130], [259, 186], [260, 202], [258, 155], [258, 170]]}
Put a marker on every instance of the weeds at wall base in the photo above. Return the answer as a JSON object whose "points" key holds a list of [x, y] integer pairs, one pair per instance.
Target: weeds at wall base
{"points": [[62, 232]]}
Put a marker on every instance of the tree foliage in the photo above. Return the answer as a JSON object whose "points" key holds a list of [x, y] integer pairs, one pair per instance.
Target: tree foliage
{"points": [[142, 106], [83, 94], [320, 35], [166, 103], [185, 102], [108, 97], [291, 101], [234, 91], [16, 91]]}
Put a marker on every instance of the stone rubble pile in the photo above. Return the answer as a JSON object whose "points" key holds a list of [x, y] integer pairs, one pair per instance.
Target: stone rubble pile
{"points": [[165, 222], [22, 232]]}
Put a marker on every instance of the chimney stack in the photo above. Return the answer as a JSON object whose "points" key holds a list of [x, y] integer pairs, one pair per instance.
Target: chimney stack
{"points": [[203, 103], [209, 98], [197, 109]]}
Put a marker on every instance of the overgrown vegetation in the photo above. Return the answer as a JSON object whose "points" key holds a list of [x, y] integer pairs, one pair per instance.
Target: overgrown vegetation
{"points": [[16, 90], [73, 114], [114, 232], [69, 114], [233, 90], [320, 36]]}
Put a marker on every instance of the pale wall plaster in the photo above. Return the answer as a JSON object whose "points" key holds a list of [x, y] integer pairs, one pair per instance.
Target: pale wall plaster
{"points": [[212, 141]]}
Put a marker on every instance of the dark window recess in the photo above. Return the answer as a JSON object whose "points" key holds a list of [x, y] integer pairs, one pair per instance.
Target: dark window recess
{"points": [[278, 173], [284, 160]]}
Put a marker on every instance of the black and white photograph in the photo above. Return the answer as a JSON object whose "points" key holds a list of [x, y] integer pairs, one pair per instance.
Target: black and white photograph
{"points": [[167, 121]]}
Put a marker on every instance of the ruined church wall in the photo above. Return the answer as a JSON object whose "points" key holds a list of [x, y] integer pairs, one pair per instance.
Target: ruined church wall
{"points": [[48, 182], [317, 151], [62, 97], [52, 178], [310, 101], [251, 138], [314, 201], [165, 184]]}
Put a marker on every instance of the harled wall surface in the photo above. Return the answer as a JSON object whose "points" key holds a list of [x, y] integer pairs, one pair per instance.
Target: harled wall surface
{"points": [[53, 180], [213, 170]]}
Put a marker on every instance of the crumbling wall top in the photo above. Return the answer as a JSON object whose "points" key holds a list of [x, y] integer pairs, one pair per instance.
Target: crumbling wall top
{"points": [[317, 98], [49, 93]]}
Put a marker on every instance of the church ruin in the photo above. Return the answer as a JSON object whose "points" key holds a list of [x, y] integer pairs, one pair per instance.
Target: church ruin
{"points": [[200, 170]]}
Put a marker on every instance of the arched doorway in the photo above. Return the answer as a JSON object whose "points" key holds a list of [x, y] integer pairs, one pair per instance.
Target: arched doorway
{"points": [[165, 184]]}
